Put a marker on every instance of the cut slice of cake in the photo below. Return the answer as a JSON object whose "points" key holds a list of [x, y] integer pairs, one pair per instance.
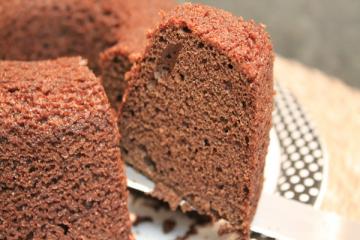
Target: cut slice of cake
{"points": [[61, 176], [197, 113]]}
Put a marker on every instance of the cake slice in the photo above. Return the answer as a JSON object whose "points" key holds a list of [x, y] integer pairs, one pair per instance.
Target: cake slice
{"points": [[197, 113], [61, 176]]}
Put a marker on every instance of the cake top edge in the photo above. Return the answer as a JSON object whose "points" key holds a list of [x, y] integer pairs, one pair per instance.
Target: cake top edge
{"points": [[246, 43]]}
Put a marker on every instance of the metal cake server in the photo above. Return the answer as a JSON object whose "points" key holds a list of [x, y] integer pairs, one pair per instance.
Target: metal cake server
{"points": [[278, 217]]}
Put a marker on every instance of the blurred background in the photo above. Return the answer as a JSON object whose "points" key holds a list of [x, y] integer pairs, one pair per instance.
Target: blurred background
{"points": [[324, 34]]}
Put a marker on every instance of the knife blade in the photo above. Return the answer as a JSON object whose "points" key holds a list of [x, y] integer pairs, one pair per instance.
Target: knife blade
{"points": [[281, 218], [278, 217]]}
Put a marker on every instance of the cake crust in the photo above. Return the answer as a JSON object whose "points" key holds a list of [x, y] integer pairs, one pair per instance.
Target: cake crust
{"points": [[61, 172]]}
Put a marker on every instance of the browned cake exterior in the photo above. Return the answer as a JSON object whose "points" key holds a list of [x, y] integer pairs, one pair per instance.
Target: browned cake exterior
{"points": [[197, 114], [61, 176], [38, 29]]}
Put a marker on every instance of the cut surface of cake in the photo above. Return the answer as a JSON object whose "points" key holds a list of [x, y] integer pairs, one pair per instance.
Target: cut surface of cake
{"points": [[61, 174], [113, 29], [197, 113]]}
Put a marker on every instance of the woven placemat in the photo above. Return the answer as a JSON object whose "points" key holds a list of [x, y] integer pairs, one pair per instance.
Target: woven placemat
{"points": [[335, 111]]}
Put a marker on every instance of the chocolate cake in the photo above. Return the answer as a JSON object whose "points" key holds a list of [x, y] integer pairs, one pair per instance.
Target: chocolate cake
{"points": [[197, 113], [61, 176], [87, 28]]}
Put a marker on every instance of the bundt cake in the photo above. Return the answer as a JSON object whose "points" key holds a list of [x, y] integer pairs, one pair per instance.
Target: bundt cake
{"points": [[197, 113], [37, 29], [61, 176]]}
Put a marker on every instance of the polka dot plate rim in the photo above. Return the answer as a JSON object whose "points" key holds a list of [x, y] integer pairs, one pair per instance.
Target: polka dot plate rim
{"points": [[304, 159]]}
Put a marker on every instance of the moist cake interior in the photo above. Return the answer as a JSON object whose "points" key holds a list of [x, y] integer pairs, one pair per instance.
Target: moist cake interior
{"points": [[186, 124]]}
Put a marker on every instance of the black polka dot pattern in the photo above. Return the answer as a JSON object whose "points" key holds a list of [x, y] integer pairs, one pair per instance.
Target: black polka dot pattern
{"points": [[303, 163]]}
